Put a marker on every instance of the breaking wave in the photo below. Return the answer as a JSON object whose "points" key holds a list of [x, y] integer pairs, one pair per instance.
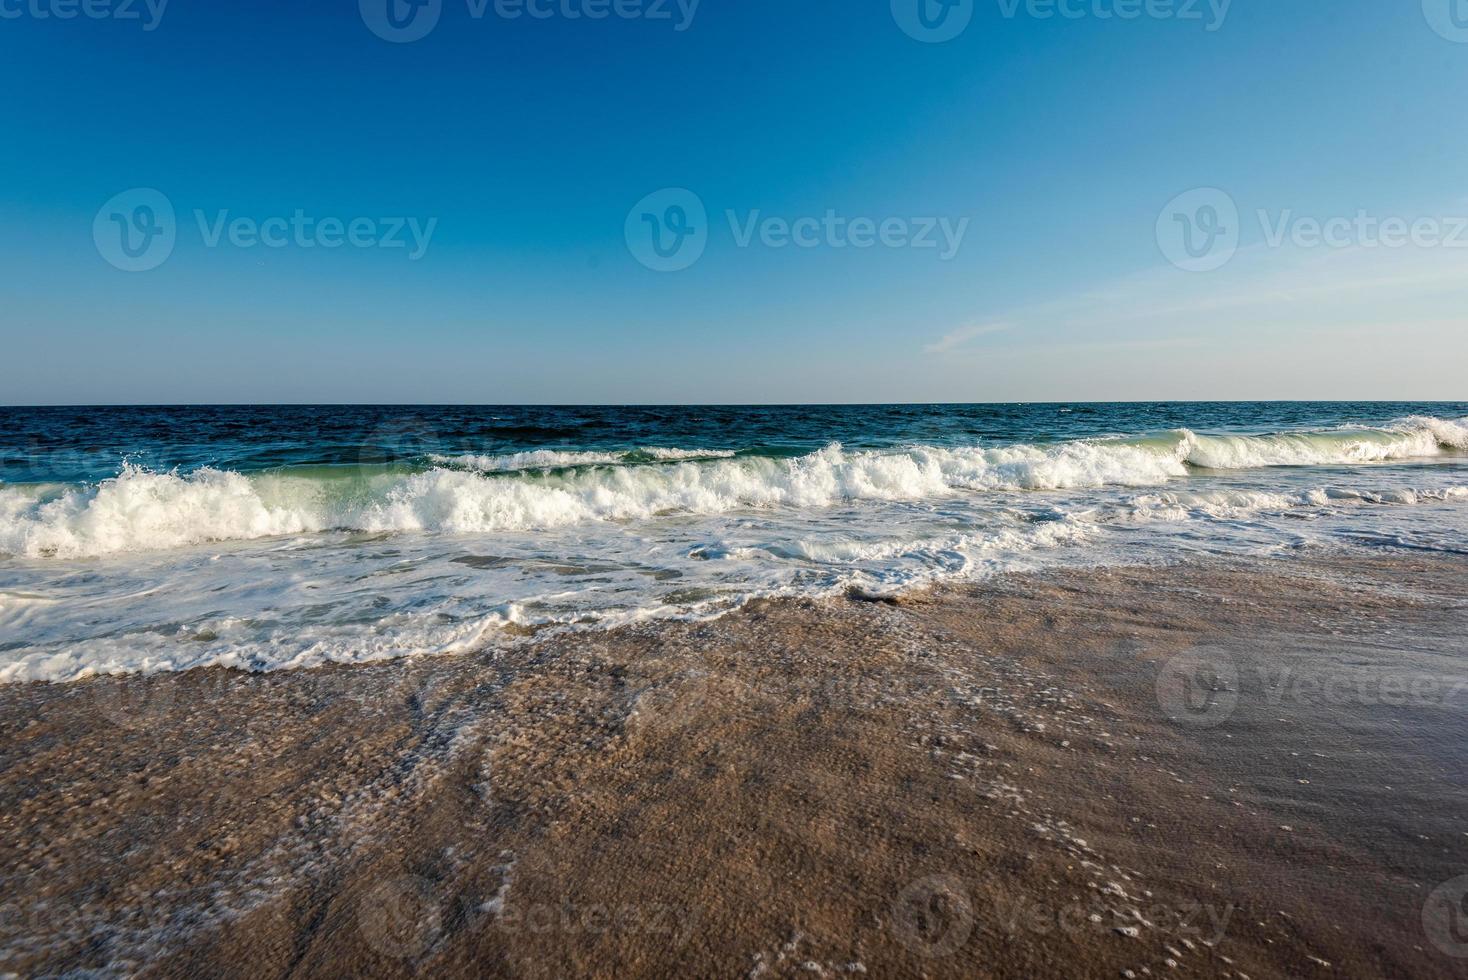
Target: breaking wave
{"points": [[1408, 438], [142, 510]]}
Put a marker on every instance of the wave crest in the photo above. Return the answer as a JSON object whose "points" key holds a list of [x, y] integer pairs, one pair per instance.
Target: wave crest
{"points": [[556, 459], [143, 510]]}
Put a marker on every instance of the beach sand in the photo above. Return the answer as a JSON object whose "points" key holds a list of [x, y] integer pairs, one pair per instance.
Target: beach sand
{"points": [[1225, 768]]}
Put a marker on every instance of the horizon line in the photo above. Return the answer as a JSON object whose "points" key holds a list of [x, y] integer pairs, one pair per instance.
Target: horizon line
{"points": [[854, 404]]}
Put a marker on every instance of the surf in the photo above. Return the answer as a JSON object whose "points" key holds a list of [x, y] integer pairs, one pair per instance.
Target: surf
{"points": [[142, 510]]}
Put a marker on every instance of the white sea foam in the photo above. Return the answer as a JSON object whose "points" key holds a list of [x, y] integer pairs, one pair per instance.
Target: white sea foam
{"points": [[1235, 452], [141, 510], [195, 635], [1452, 433], [661, 453], [555, 459], [536, 459], [1234, 504], [125, 576]]}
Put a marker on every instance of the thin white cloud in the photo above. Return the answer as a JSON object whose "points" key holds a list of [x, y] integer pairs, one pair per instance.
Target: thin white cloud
{"points": [[963, 335], [1264, 294]]}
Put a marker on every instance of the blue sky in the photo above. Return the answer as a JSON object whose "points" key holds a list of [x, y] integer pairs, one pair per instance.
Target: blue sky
{"points": [[1056, 143]]}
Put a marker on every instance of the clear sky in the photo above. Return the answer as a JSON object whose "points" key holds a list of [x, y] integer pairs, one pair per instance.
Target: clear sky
{"points": [[1052, 150]]}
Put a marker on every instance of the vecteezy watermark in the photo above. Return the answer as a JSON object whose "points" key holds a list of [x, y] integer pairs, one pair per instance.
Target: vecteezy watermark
{"points": [[1362, 230], [404, 21], [26, 458], [678, 13], [148, 13], [1393, 689], [832, 230], [1199, 688], [1190, 920], [666, 921], [137, 230], [669, 230], [1210, 13], [1199, 231], [933, 916], [400, 438], [1202, 688], [933, 21], [130, 701], [400, 21], [937, 21], [1449, 18], [400, 918], [1445, 917], [301, 230]]}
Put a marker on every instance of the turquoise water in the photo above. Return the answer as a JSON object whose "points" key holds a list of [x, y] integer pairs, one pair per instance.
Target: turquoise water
{"points": [[140, 539]]}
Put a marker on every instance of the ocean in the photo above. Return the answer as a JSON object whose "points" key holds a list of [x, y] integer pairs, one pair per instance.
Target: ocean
{"points": [[143, 539]]}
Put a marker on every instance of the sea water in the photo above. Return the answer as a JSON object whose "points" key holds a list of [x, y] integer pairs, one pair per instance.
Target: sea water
{"points": [[144, 539]]}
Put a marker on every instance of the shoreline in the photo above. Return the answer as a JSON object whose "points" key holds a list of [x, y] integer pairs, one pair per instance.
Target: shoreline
{"points": [[986, 779]]}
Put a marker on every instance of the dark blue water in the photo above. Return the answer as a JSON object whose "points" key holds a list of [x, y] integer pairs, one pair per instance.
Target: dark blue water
{"points": [[73, 444]]}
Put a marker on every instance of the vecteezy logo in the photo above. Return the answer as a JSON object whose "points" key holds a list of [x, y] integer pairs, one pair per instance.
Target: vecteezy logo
{"points": [[400, 439], [400, 21], [1199, 231], [1199, 689], [135, 230], [933, 21], [668, 230], [933, 916], [1448, 17], [1445, 917], [400, 918], [131, 701]]}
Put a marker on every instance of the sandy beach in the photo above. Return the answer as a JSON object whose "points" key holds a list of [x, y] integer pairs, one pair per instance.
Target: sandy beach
{"points": [[655, 490], [1226, 768]]}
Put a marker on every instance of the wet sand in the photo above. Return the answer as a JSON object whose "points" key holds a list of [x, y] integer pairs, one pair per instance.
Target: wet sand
{"points": [[1221, 769]]}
